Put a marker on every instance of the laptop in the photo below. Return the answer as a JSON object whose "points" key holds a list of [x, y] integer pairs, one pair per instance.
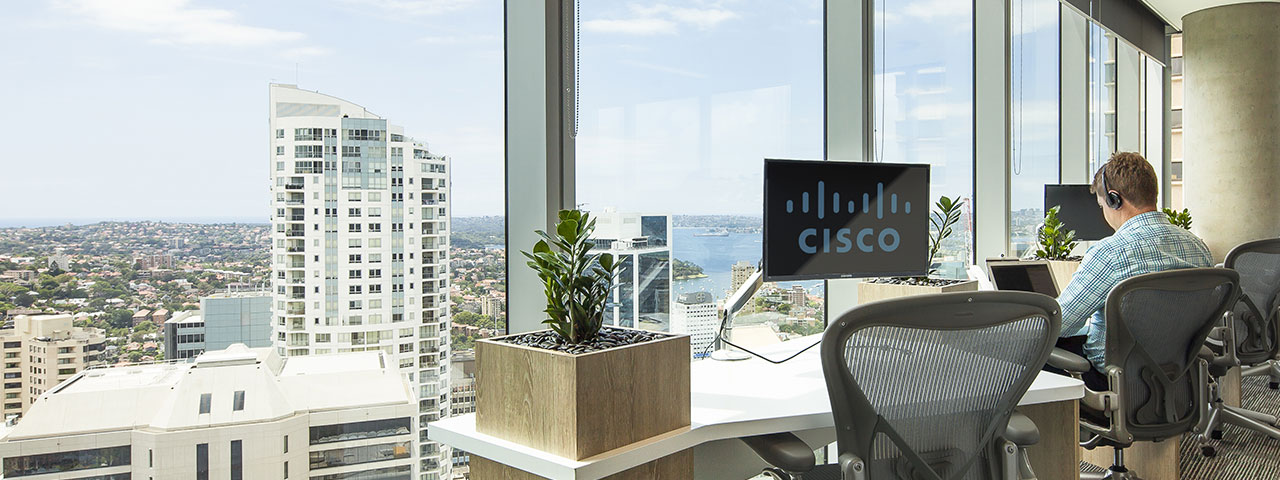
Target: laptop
{"points": [[1023, 275]]}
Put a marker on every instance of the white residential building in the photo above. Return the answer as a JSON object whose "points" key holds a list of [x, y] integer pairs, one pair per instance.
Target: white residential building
{"points": [[642, 245], [360, 248], [238, 413], [696, 315]]}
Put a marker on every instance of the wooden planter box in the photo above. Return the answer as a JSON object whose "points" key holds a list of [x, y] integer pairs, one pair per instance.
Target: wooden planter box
{"points": [[1062, 271], [578, 406], [871, 292]]}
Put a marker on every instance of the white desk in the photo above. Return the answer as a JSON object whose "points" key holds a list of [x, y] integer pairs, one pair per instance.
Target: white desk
{"points": [[730, 400]]}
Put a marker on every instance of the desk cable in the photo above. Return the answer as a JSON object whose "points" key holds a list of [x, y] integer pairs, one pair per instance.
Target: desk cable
{"points": [[720, 337]]}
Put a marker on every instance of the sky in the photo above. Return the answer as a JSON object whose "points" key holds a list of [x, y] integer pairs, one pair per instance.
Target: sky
{"points": [[157, 109]]}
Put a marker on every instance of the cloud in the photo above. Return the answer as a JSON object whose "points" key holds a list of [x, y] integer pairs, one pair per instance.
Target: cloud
{"points": [[663, 68], [703, 18], [176, 21], [935, 9], [660, 19], [631, 26], [301, 52], [459, 39], [417, 7]]}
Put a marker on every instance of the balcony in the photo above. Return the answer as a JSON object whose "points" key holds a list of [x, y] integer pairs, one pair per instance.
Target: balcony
{"points": [[298, 249], [295, 233], [294, 201], [297, 218], [294, 186], [296, 311], [426, 201]]}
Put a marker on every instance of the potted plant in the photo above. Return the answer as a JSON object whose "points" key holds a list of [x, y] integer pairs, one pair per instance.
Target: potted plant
{"points": [[946, 214], [1181, 219], [580, 388], [1056, 244]]}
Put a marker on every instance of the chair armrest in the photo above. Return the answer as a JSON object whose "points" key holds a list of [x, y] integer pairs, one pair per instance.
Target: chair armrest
{"points": [[1068, 361], [783, 450], [1021, 431]]}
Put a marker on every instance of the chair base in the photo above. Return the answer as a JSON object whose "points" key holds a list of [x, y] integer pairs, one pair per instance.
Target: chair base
{"points": [[1110, 474], [1216, 413], [1271, 369]]}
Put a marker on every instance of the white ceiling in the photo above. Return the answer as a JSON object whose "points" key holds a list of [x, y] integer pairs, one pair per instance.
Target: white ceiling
{"points": [[1174, 10]]}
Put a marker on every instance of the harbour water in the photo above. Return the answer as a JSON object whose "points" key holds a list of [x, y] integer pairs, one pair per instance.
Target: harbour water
{"points": [[716, 255]]}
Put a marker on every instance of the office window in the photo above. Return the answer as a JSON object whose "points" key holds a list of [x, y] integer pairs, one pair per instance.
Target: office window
{"points": [[1102, 96], [202, 461], [237, 460], [923, 103], [52, 463], [286, 470], [286, 444], [671, 135], [206, 400], [1034, 117], [237, 403]]}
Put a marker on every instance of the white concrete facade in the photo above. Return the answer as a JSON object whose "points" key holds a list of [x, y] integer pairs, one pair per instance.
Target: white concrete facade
{"points": [[360, 247], [235, 413]]}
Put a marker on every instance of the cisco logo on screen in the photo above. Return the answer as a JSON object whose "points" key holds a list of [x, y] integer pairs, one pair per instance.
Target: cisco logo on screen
{"points": [[844, 240]]}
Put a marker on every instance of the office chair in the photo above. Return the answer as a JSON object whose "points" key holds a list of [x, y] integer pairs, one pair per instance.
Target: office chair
{"points": [[1247, 339], [1258, 313], [924, 387], [1156, 326]]}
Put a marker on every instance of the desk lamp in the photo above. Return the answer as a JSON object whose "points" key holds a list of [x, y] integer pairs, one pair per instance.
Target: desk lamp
{"points": [[731, 307]]}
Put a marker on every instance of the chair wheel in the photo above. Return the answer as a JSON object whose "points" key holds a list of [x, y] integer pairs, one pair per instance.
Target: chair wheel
{"points": [[773, 473], [1208, 451], [1216, 434], [1274, 385]]}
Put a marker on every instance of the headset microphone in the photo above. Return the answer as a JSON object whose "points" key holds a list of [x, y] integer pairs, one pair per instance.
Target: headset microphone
{"points": [[1113, 197]]}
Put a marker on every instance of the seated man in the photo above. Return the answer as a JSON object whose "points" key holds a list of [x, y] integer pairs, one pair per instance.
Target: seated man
{"points": [[1144, 242]]}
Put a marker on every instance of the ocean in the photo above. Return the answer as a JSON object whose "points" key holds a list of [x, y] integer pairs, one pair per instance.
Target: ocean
{"points": [[716, 256]]}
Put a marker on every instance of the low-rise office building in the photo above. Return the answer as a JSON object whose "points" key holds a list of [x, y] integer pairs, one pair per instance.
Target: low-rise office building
{"points": [[234, 413], [223, 320], [40, 351]]}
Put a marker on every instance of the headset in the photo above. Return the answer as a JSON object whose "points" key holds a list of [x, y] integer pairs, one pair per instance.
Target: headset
{"points": [[1114, 200]]}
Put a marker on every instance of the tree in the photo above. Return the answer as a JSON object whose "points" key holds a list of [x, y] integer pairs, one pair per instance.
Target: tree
{"points": [[24, 299], [469, 318], [120, 318]]}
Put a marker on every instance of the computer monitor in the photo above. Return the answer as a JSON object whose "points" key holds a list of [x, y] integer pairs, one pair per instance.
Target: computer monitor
{"points": [[1023, 276], [844, 219], [1079, 210]]}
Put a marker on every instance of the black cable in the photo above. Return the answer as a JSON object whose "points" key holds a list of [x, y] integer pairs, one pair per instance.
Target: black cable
{"points": [[720, 338]]}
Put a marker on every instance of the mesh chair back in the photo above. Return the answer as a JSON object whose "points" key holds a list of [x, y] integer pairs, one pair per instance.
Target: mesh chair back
{"points": [[921, 386], [1156, 324], [1255, 315]]}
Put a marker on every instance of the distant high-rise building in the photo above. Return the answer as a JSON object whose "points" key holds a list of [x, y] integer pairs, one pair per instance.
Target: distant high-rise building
{"points": [[741, 271], [60, 261], [223, 320], [154, 261], [696, 314], [41, 351], [641, 245], [235, 413], [797, 296], [360, 249], [491, 306]]}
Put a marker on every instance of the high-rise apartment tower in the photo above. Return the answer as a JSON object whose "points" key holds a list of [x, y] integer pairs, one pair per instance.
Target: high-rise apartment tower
{"points": [[359, 246]]}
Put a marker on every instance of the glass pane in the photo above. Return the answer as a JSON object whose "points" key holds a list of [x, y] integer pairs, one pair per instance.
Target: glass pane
{"points": [[924, 104], [678, 109], [1034, 117], [1153, 127], [1102, 96]]}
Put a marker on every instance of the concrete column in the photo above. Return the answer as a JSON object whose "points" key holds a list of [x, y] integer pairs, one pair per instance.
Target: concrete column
{"points": [[1232, 123]]}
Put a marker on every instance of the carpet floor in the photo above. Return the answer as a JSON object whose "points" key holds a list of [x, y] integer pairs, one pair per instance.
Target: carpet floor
{"points": [[1241, 454]]}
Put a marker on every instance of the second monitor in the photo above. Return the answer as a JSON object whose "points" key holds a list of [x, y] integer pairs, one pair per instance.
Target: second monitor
{"points": [[1079, 210]]}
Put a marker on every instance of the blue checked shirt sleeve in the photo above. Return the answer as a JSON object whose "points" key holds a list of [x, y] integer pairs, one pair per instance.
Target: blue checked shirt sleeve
{"points": [[1087, 292]]}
